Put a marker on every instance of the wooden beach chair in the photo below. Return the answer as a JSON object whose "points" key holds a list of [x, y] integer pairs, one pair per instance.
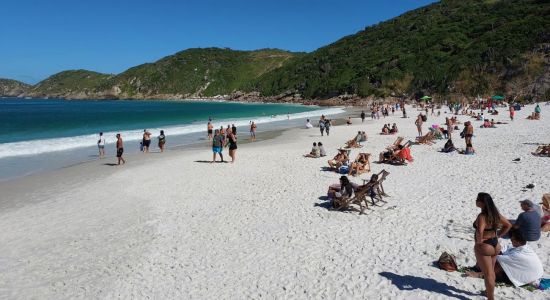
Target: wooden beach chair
{"points": [[427, 139], [396, 144]]}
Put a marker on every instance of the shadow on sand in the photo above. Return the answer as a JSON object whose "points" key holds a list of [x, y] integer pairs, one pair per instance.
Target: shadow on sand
{"points": [[209, 161], [110, 164], [409, 283]]}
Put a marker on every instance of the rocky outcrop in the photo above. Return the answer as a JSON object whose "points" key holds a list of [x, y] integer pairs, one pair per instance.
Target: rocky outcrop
{"points": [[13, 88]]}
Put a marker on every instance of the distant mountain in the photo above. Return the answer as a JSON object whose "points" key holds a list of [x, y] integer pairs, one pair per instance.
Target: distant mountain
{"points": [[452, 48], [467, 47], [13, 88]]}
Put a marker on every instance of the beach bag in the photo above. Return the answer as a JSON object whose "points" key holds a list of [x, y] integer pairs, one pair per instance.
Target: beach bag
{"points": [[343, 170], [447, 262]]}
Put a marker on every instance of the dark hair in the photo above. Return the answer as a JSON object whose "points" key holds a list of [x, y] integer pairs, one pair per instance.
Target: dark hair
{"points": [[314, 144], [162, 132], [515, 234], [101, 133], [320, 144], [492, 215], [345, 180]]}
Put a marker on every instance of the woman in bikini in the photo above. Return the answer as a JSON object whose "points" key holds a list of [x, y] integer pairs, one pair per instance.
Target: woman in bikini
{"points": [[486, 239]]}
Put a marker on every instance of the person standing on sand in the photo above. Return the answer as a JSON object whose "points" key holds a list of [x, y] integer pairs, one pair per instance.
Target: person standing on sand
{"points": [[162, 141], [468, 133], [101, 145], [232, 141], [209, 129], [146, 140], [217, 145], [450, 127], [418, 124], [253, 131], [322, 126], [234, 129], [119, 149], [512, 113], [486, 236], [362, 116], [327, 126]]}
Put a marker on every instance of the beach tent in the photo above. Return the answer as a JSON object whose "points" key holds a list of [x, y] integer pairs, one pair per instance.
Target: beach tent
{"points": [[497, 98]]}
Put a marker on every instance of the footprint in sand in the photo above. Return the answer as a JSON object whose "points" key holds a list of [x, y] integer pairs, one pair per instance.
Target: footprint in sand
{"points": [[454, 230]]}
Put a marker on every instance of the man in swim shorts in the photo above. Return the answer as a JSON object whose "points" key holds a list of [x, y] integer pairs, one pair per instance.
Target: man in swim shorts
{"points": [[119, 149], [217, 145], [146, 140]]}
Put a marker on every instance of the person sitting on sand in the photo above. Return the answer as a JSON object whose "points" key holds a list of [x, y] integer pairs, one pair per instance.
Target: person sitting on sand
{"points": [[339, 159], [486, 124], [315, 151], [360, 165], [385, 130], [448, 147], [517, 265], [355, 142], [543, 150], [322, 151], [349, 121], [308, 124], [363, 137], [393, 129], [529, 221]]}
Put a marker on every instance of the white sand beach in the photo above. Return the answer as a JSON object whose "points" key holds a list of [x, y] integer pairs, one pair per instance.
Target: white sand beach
{"points": [[172, 226]]}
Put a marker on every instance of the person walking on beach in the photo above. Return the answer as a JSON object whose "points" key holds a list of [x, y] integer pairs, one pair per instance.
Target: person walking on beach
{"points": [[146, 141], [418, 124], [362, 116], [101, 145], [322, 126], [327, 126], [234, 129], [217, 145], [486, 236], [119, 149], [253, 131], [450, 127], [512, 113], [209, 129], [162, 141], [232, 141]]}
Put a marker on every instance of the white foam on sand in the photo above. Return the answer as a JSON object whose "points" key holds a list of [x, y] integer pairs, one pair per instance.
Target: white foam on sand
{"points": [[173, 227]]}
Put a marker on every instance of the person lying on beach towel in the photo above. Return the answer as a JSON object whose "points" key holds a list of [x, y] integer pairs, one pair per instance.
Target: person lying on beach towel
{"points": [[543, 150], [315, 151]]}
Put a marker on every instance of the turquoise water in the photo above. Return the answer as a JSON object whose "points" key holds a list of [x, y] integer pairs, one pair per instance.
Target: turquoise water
{"points": [[45, 134], [24, 120]]}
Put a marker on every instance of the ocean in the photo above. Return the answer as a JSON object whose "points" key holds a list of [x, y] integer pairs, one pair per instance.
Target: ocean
{"points": [[45, 134]]}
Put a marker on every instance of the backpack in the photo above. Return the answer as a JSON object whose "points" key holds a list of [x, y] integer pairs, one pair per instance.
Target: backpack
{"points": [[447, 262]]}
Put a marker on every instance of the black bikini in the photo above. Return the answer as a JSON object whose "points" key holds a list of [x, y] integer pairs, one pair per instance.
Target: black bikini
{"points": [[492, 241]]}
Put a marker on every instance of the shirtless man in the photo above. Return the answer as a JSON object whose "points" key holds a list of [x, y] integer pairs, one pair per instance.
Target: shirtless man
{"points": [[146, 141], [119, 149], [253, 131], [209, 129]]}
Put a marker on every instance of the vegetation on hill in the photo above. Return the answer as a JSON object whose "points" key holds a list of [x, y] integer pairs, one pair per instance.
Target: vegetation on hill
{"points": [[461, 46], [72, 81]]}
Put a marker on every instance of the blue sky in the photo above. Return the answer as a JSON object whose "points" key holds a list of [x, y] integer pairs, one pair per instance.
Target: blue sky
{"points": [[43, 37]]}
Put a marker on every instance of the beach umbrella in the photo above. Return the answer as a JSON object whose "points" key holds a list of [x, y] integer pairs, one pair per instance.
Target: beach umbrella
{"points": [[425, 98], [497, 97]]}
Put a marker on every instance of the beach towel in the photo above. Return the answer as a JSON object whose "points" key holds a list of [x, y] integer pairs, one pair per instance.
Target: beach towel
{"points": [[405, 153], [521, 264]]}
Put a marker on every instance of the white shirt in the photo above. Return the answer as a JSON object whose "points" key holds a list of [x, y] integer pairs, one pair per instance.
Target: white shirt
{"points": [[521, 264], [101, 141]]}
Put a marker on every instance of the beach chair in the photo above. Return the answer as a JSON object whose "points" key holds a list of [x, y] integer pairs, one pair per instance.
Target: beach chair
{"points": [[396, 144], [427, 139], [357, 168], [353, 144]]}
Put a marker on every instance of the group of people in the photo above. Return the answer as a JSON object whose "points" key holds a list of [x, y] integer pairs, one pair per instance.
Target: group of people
{"points": [[318, 150], [389, 129], [517, 264], [145, 144], [324, 125], [224, 138]]}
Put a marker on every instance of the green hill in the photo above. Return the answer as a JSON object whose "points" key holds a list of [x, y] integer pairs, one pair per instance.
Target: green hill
{"points": [[72, 84], [460, 46]]}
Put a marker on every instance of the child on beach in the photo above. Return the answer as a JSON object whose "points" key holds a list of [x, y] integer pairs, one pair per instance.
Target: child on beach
{"points": [[209, 129]]}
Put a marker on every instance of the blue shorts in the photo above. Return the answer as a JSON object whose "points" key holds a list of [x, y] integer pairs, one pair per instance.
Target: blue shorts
{"points": [[217, 149]]}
